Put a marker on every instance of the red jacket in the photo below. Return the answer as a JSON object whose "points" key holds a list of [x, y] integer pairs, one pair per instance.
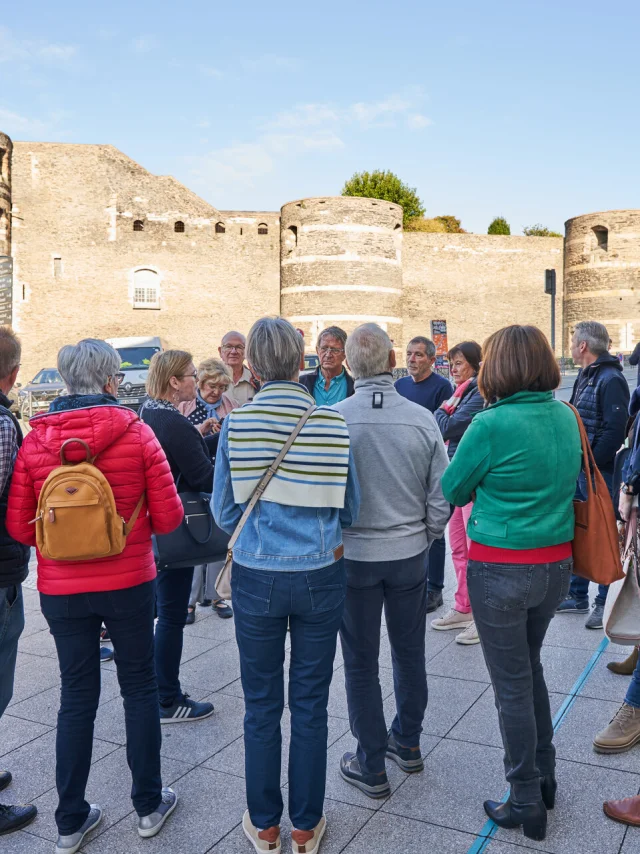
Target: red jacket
{"points": [[133, 462]]}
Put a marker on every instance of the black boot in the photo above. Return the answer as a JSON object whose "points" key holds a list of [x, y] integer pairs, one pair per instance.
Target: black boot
{"points": [[548, 788], [531, 817], [16, 817]]}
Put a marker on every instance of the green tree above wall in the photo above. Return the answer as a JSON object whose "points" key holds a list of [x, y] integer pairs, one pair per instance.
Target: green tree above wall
{"points": [[499, 225], [387, 186], [539, 230]]}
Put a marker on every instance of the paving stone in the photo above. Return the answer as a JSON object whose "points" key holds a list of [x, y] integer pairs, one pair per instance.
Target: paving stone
{"points": [[196, 741], [390, 834], [193, 646], [34, 765], [578, 824], [233, 688], [458, 661], [109, 785], [31, 599], [602, 684], [39, 643], [338, 696], [34, 622], [575, 736], [562, 667], [213, 669], [339, 790], [480, 724], [458, 777], [14, 732], [24, 843], [231, 758], [44, 706], [210, 805], [568, 630], [449, 699], [631, 843], [209, 625], [33, 675], [343, 823]]}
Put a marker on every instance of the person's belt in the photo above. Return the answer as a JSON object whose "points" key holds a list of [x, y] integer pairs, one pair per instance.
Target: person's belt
{"points": [[339, 552]]}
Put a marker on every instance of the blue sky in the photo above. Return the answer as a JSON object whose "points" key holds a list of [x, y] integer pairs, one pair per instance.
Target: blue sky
{"points": [[525, 109]]}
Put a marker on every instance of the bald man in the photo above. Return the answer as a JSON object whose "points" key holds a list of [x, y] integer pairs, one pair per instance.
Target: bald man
{"points": [[244, 385]]}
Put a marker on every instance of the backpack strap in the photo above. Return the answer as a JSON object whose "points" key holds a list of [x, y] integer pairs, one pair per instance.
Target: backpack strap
{"points": [[134, 516]]}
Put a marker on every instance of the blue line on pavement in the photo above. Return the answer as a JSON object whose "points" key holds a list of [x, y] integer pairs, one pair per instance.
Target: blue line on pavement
{"points": [[489, 829]]}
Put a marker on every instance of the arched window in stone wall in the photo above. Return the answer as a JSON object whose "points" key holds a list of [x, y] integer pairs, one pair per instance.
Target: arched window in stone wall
{"points": [[263, 228], [138, 225], [179, 227], [599, 238], [220, 229], [291, 238], [146, 288]]}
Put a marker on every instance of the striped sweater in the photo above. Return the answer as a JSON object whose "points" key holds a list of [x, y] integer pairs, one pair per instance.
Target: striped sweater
{"points": [[314, 471]]}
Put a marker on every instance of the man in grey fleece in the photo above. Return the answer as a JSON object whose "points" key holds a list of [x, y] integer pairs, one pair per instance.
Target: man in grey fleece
{"points": [[400, 458]]}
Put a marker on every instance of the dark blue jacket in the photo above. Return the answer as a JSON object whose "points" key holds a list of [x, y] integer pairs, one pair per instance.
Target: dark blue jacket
{"points": [[453, 427], [601, 396], [14, 556]]}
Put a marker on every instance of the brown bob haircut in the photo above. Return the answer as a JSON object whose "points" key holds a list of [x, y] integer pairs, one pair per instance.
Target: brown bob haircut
{"points": [[517, 358], [472, 352]]}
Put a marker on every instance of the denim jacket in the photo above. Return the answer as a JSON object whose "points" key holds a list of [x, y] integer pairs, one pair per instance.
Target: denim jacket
{"points": [[279, 537]]}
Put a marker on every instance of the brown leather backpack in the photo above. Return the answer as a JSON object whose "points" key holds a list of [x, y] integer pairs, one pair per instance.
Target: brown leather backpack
{"points": [[77, 516]]}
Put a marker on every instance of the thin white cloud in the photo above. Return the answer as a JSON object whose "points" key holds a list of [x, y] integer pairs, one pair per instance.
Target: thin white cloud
{"points": [[13, 123], [304, 116], [292, 142], [203, 124], [380, 112], [416, 121], [234, 165], [14, 49], [144, 43], [210, 71]]}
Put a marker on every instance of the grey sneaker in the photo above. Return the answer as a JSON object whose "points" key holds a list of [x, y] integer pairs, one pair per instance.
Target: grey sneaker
{"points": [[72, 843], [149, 825], [594, 621]]}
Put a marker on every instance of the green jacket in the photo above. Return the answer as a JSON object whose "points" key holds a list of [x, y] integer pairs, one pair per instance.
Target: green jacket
{"points": [[522, 457]]}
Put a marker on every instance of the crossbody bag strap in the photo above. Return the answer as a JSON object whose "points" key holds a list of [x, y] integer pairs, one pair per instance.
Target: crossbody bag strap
{"points": [[266, 477]]}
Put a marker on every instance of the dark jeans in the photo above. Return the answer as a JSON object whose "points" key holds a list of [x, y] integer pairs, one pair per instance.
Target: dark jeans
{"points": [[435, 559], [75, 622], [11, 626], [172, 601], [311, 602], [513, 605], [579, 589], [633, 691], [400, 587]]}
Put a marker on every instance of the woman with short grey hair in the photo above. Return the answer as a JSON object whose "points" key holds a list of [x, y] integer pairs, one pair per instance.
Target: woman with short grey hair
{"points": [[288, 570], [78, 596]]}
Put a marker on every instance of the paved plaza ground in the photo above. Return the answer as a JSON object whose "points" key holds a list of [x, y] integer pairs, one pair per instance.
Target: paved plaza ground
{"points": [[439, 810]]}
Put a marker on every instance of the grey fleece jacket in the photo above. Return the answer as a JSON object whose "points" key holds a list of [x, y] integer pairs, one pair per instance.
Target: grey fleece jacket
{"points": [[400, 458]]}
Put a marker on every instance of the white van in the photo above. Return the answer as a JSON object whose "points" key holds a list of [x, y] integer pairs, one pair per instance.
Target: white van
{"points": [[135, 355]]}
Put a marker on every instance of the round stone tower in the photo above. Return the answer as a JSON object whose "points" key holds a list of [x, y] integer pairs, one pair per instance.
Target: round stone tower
{"points": [[602, 274], [6, 147], [341, 264]]}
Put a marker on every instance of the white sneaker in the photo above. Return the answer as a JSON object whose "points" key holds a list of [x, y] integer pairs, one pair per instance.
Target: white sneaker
{"points": [[453, 620], [469, 635]]}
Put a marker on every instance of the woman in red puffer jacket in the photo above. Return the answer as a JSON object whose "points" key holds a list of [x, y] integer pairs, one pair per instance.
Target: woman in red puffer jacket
{"points": [[78, 596]]}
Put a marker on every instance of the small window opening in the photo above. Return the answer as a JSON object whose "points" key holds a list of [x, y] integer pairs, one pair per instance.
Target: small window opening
{"points": [[220, 229], [291, 238], [263, 228], [240, 232], [57, 266], [24, 292], [396, 226], [601, 235], [179, 227], [138, 225]]}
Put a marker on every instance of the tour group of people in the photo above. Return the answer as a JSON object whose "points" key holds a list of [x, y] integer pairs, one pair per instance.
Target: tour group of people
{"points": [[366, 473]]}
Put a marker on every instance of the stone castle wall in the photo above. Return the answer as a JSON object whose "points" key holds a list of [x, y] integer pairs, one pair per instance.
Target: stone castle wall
{"points": [[6, 147], [602, 274]]}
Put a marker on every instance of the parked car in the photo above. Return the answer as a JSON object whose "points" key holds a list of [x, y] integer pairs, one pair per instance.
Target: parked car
{"points": [[136, 355], [36, 396], [311, 361]]}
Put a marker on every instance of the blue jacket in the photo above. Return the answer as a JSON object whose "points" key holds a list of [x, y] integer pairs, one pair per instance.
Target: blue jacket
{"points": [[601, 396], [279, 537], [453, 427]]}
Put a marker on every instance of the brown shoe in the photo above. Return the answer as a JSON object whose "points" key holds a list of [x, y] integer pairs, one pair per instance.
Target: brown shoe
{"points": [[626, 811], [621, 734], [626, 667], [267, 840]]}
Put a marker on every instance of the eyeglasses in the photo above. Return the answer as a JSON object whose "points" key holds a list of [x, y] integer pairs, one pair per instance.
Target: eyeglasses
{"points": [[194, 376], [117, 378], [216, 386], [237, 347], [333, 350]]}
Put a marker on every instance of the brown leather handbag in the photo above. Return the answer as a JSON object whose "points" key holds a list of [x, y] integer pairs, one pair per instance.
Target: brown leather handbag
{"points": [[596, 552]]}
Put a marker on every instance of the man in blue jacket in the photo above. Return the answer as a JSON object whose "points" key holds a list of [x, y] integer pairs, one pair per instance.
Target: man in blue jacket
{"points": [[601, 396]]}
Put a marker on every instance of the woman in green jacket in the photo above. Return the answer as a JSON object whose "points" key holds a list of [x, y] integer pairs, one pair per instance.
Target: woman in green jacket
{"points": [[520, 458]]}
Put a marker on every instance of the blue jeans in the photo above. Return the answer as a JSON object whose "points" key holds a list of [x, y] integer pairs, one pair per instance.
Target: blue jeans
{"points": [[75, 622], [312, 603], [513, 605], [633, 691], [579, 589], [172, 601], [435, 559], [400, 587], [11, 626]]}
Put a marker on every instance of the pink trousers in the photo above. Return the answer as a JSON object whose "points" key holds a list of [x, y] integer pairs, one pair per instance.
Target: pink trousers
{"points": [[459, 543]]}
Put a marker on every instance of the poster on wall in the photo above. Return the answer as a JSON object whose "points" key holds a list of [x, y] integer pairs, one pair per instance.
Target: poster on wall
{"points": [[6, 289], [439, 338]]}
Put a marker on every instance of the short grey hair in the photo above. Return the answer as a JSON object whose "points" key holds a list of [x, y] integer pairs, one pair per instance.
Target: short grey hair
{"points": [[274, 349], [429, 346], [335, 332], [368, 349], [10, 351], [87, 366], [594, 334]]}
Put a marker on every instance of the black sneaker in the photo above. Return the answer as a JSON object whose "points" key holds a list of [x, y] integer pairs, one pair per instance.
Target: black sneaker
{"points": [[5, 779], [373, 785], [221, 608], [15, 817], [409, 760], [191, 616], [206, 603], [185, 710], [573, 606], [434, 600]]}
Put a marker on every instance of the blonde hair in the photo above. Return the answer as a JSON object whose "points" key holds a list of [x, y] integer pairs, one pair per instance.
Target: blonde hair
{"points": [[164, 365], [213, 369]]}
